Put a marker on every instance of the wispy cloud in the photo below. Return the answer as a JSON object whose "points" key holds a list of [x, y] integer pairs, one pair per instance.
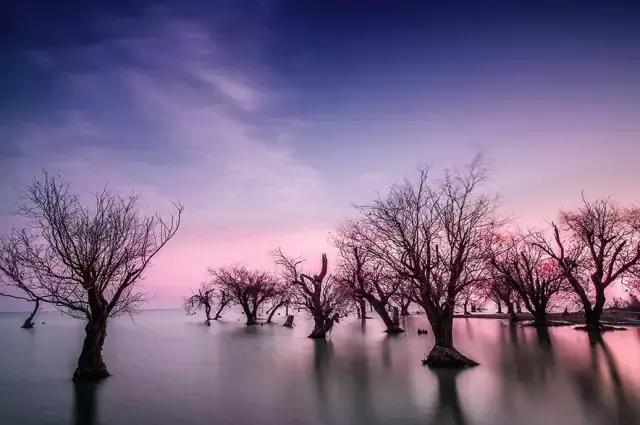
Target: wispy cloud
{"points": [[197, 115]]}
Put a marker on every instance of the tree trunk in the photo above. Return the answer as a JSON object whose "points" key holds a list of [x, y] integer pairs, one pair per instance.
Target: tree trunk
{"points": [[29, 323], [207, 312], [289, 322], [540, 317], [362, 309], [404, 308], [90, 364], [250, 314], [592, 314], [518, 307], [513, 317], [592, 320], [318, 328], [499, 306], [443, 332], [273, 311], [220, 308], [443, 354], [322, 326], [466, 310], [393, 327]]}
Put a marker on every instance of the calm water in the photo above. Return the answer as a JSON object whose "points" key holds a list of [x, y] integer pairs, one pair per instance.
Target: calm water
{"points": [[170, 369]]}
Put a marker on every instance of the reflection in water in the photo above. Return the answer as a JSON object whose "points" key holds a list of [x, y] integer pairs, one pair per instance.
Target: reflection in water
{"points": [[322, 355], [468, 328], [85, 403], [448, 409], [231, 374], [363, 324], [602, 389], [544, 339], [529, 364]]}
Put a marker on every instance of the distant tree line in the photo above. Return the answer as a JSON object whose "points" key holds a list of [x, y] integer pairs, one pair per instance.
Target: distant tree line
{"points": [[434, 242], [439, 244]]}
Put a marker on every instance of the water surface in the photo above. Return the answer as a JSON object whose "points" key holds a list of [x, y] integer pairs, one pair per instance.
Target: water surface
{"points": [[170, 369]]}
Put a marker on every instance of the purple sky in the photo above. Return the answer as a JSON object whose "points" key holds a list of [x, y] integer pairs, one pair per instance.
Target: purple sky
{"points": [[267, 120]]}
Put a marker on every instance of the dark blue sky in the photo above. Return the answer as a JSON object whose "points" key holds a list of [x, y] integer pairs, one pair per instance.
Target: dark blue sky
{"points": [[268, 119]]}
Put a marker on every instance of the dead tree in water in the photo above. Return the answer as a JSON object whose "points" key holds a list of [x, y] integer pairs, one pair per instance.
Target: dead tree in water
{"points": [[403, 299], [364, 276], [527, 271], [594, 246], [250, 289], [502, 293], [87, 260], [16, 280], [281, 298], [433, 238], [318, 294], [205, 298], [289, 322]]}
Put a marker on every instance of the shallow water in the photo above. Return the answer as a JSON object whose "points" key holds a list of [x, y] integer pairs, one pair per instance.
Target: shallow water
{"points": [[170, 369]]}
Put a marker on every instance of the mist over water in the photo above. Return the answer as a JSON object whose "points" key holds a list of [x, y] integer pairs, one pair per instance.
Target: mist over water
{"points": [[168, 369]]}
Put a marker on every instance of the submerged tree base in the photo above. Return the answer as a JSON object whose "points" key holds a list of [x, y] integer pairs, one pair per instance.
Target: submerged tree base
{"points": [[28, 324], [441, 357], [394, 330], [600, 328], [91, 374], [547, 324], [289, 322]]}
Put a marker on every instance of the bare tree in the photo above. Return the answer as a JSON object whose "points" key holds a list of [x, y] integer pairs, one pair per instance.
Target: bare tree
{"points": [[281, 298], [472, 296], [205, 298], [17, 281], [366, 277], [522, 266], [433, 238], [319, 294], [250, 289], [87, 260], [497, 289], [594, 246], [402, 298]]}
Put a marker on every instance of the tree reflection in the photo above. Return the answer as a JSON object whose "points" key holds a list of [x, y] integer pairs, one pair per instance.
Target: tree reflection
{"points": [[85, 402], [529, 364], [602, 389], [449, 408]]}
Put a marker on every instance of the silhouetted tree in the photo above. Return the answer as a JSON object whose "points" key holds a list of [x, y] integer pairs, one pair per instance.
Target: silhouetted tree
{"points": [[472, 296], [501, 292], [594, 246], [17, 281], [250, 289], [366, 277], [433, 238], [86, 260], [403, 299], [525, 268], [205, 298], [281, 298], [318, 294]]}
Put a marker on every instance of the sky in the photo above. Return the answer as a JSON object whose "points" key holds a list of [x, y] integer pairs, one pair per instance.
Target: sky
{"points": [[268, 120]]}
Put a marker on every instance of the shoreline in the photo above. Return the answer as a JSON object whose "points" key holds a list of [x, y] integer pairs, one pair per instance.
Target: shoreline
{"points": [[609, 317]]}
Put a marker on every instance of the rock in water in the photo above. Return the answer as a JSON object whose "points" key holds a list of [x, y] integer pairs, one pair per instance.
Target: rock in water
{"points": [[447, 358]]}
